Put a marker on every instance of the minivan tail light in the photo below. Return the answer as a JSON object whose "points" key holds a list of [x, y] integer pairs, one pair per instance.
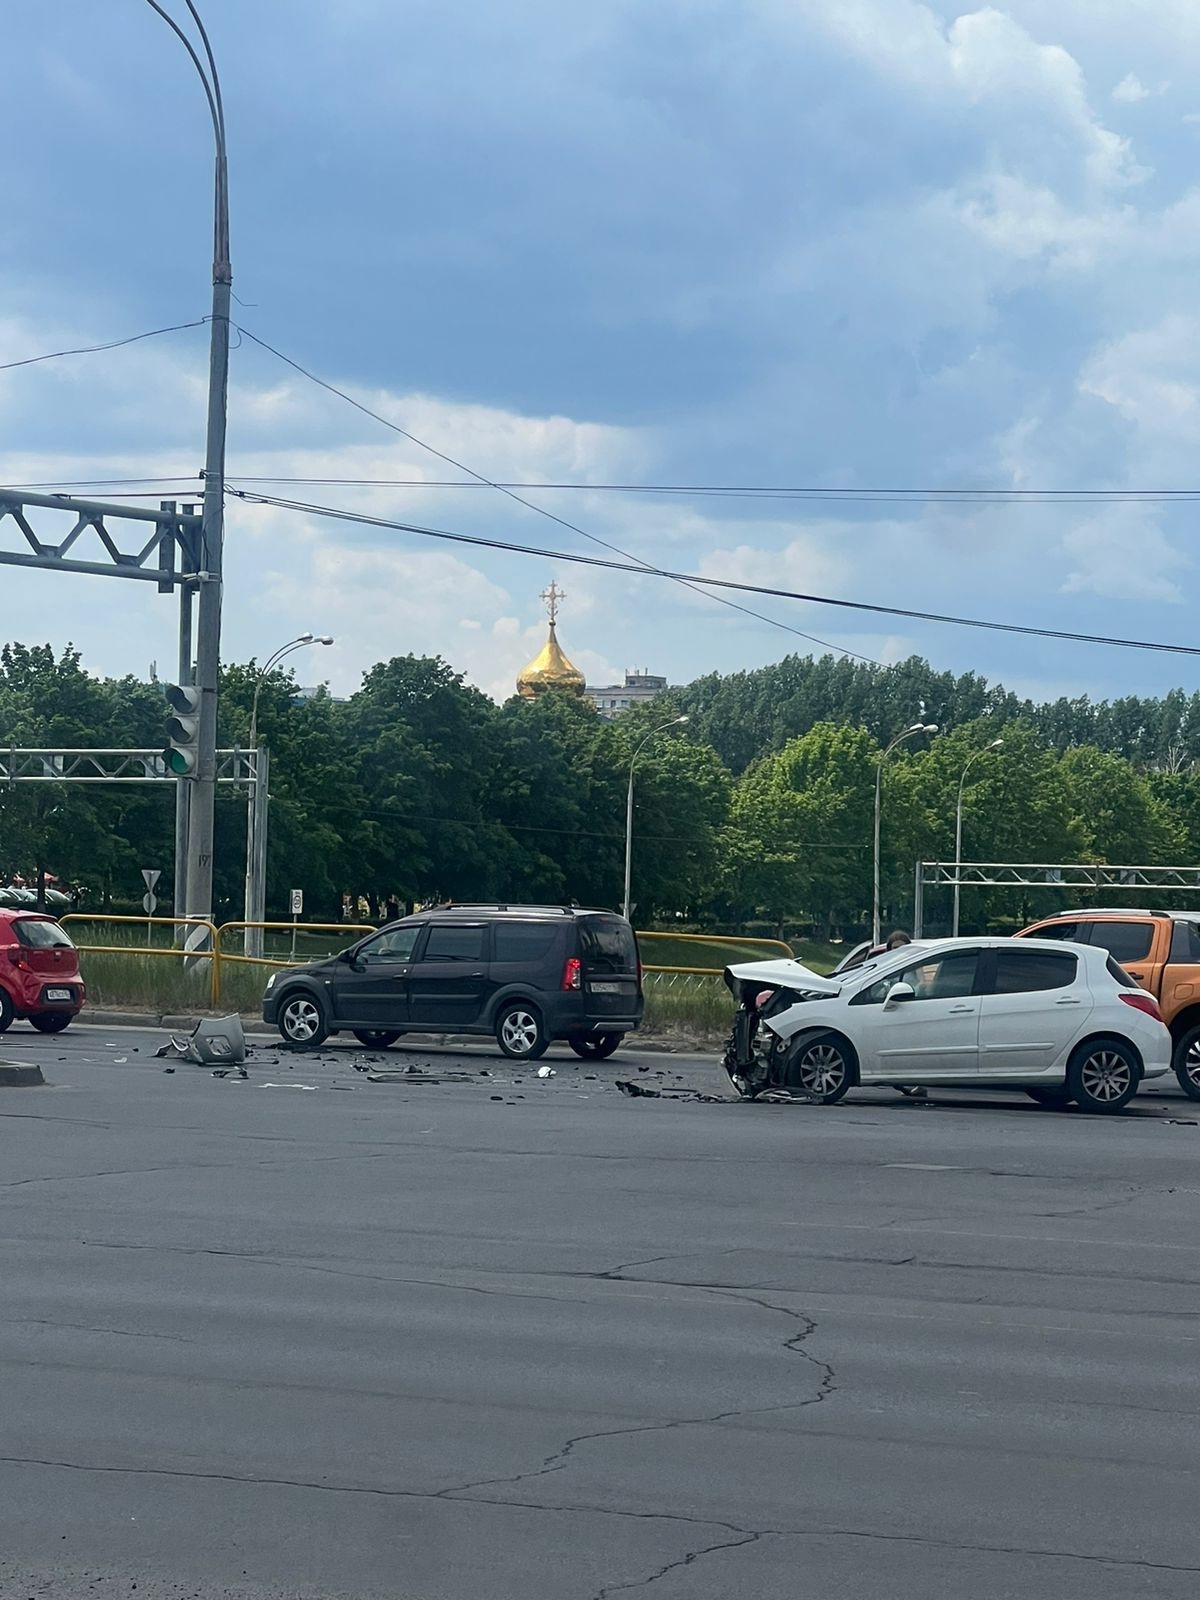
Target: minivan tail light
{"points": [[1141, 1001], [572, 974]]}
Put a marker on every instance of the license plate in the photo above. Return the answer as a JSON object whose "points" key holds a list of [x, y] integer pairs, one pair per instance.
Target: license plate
{"points": [[606, 988], [58, 994]]}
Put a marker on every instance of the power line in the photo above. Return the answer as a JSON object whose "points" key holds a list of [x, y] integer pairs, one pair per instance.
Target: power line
{"points": [[1014, 497], [864, 495], [92, 349], [643, 569], [530, 505]]}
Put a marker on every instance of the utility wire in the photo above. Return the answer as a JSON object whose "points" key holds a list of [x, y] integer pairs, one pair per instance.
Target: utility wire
{"points": [[92, 349], [530, 505], [697, 581], [866, 496]]}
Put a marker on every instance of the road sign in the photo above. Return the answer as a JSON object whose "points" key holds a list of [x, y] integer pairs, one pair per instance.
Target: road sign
{"points": [[150, 876], [149, 904], [297, 902]]}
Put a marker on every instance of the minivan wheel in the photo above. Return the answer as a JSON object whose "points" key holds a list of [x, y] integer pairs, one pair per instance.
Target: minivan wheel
{"points": [[1052, 1096], [1186, 1061], [1103, 1075], [51, 1021], [377, 1038], [6, 1011], [520, 1032], [595, 1046], [302, 1020], [823, 1068]]}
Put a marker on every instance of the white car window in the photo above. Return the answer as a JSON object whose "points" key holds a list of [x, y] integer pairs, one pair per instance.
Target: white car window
{"points": [[945, 977], [1022, 971]]}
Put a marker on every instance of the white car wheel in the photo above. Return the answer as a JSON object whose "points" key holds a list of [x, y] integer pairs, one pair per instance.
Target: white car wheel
{"points": [[823, 1068]]}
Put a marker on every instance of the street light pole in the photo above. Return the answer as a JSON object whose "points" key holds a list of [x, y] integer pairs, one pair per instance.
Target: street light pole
{"points": [[254, 900], [909, 733], [202, 807], [958, 815], [654, 732]]}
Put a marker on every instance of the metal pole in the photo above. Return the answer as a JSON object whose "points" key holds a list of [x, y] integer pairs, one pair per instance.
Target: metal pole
{"points": [[253, 900], [958, 845], [909, 733], [262, 803], [919, 901], [183, 787], [208, 626], [628, 839], [654, 732], [875, 927]]}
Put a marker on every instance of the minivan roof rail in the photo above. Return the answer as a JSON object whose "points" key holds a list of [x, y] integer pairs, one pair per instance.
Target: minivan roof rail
{"points": [[498, 905]]}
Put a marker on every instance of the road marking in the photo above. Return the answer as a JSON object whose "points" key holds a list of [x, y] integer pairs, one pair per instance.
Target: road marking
{"points": [[919, 1166]]}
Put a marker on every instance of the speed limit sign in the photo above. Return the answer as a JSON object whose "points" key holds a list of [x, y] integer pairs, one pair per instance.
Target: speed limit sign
{"points": [[297, 902]]}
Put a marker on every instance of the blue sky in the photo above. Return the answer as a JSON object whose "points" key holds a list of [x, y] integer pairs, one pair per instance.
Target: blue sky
{"points": [[860, 243]]}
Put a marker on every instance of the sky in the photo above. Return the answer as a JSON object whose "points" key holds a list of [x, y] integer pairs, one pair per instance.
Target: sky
{"points": [[853, 244]]}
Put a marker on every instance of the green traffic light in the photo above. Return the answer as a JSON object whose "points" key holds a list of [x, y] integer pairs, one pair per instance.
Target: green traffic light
{"points": [[179, 762]]}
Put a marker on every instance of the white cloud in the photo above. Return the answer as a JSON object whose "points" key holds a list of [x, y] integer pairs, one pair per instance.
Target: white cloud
{"points": [[1121, 554], [1131, 90]]}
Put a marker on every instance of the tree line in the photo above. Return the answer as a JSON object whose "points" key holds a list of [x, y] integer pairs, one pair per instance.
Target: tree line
{"points": [[758, 814]]}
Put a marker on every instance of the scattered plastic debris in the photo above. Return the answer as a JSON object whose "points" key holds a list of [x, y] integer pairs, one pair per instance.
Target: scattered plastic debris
{"points": [[311, 1086], [546, 1072], [636, 1091], [168, 1069], [212, 1041]]}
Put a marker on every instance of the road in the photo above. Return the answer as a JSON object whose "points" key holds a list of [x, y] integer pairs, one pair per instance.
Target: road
{"points": [[535, 1340]]}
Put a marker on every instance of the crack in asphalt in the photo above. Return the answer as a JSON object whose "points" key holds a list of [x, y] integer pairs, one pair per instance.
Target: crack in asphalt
{"points": [[556, 1461], [87, 1327], [743, 1536], [749, 1537]]}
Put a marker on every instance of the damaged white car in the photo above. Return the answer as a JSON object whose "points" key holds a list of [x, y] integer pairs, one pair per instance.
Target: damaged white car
{"points": [[1061, 1021]]}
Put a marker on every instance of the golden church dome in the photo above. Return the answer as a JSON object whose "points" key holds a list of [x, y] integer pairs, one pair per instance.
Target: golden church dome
{"points": [[550, 668]]}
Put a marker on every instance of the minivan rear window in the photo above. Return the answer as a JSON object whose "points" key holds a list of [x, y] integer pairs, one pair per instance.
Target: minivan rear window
{"points": [[524, 941], [608, 945], [37, 933]]}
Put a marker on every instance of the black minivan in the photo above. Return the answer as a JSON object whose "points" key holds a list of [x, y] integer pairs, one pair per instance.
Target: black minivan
{"points": [[525, 974]]}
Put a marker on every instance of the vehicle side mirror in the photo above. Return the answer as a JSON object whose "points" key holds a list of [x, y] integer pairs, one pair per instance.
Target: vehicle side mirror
{"points": [[349, 958], [898, 993]]}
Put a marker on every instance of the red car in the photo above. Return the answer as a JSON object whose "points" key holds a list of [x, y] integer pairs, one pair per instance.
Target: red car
{"points": [[39, 972]]}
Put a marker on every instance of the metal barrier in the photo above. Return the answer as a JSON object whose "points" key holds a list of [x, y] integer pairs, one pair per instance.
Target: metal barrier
{"points": [[212, 954], [221, 957], [769, 946], [355, 929]]}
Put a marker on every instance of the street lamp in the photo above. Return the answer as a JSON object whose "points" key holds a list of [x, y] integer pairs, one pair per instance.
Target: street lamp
{"points": [[654, 732], [995, 745], [273, 661], [256, 812], [909, 733], [201, 805]]}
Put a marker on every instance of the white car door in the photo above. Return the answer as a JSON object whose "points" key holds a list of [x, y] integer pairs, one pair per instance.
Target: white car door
{"points": [[935, 1034], [1035, 1006]]}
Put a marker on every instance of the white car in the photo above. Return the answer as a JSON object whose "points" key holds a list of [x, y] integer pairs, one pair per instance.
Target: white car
{"points": [[1062, 1021]]}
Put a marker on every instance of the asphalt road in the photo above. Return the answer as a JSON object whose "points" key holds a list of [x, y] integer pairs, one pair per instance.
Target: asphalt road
{"points": [[410, 1341]]}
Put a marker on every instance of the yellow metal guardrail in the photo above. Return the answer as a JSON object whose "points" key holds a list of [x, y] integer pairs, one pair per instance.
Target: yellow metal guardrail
{"points": [[354, 929], [775, 947], [220, 956], [157, 951]]}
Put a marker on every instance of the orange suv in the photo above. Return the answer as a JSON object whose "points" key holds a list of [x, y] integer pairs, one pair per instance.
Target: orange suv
{"points": [[1161, 949]]}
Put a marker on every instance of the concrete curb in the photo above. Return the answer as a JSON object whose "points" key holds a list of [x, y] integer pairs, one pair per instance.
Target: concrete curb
{"points": [[252, 1022], [16, 1075]]}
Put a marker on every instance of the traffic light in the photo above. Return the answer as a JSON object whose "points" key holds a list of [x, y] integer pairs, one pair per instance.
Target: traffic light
{"points": [[182, 754]]}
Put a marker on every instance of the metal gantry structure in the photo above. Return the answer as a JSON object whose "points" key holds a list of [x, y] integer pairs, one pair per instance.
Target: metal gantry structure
{"points": [[175, 550], [1090, 876]]}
